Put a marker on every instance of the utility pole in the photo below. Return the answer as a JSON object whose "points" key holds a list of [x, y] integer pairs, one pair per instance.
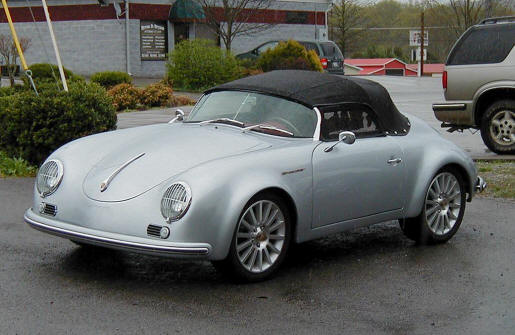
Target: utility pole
{"points": [[422, 44]]}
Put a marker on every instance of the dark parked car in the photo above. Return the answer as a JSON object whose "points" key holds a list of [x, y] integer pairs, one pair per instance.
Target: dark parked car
{"points": [[330, 55]]}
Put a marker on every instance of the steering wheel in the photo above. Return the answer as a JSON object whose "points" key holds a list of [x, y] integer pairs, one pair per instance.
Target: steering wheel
{"points": [[285, 122]]}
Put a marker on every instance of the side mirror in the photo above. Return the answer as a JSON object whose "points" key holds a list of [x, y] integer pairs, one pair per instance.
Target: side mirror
{"points": [[179, 116], [347, 137]]}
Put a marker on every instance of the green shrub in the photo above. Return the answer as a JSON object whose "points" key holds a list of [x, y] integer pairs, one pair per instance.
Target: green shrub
{"points": [[108, 79], [289, 55], [199, 64], [125, 96], [34, 126], [49, 73], [15, 167], [8, 90], [158, 94]]}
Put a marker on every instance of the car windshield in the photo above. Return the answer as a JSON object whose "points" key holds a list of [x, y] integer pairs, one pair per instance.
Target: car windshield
{"points": [[275, 115]]}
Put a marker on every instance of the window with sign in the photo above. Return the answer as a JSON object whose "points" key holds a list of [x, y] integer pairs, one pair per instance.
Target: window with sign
{"points": [[154, 41]]}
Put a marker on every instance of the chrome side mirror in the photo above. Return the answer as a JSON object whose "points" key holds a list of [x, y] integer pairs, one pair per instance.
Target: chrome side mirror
{"points": [[179, 116], [347, 137]]}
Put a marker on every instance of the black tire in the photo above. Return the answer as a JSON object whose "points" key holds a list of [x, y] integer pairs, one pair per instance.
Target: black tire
{"points": [[232, 267], [501, 147], [418, 228]]}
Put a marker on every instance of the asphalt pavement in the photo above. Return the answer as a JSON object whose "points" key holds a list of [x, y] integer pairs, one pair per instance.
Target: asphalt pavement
{"points": [[367, 281]]}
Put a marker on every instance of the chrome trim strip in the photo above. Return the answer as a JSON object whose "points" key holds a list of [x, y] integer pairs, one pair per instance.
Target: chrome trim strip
{"points": [[105, 184], [449, 107], [134, 246], [316, 134]]}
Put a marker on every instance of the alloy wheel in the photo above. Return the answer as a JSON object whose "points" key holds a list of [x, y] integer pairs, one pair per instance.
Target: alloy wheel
{"points": [[502, 127], [260, 236], [443, 203]]}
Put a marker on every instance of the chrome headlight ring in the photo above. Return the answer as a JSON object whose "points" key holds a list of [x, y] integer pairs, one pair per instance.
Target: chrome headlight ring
{"points": [[49, 177], [175, 201]]}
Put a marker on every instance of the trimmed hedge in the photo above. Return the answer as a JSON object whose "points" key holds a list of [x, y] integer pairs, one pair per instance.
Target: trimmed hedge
{"points": [[44, 73], [125, 96], [35, 126], [289, 55], [109, 79], [199, 64], [156, 95]]}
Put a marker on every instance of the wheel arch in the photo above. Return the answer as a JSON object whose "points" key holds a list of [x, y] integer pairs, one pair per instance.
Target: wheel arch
{"points": [[419, 189], [290, 203], [488, 97]]}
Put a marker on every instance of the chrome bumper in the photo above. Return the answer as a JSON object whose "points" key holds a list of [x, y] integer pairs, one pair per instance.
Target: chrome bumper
{"points": [[181, 250], [480, 185]]}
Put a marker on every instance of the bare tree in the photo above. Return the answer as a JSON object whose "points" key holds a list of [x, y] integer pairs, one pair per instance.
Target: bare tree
{"points": [[10, 55], [459, 15], [346, 15], [232, 18]]}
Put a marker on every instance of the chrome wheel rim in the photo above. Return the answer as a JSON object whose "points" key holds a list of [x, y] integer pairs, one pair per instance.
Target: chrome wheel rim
{"points": [[502, 127], [443, 203], [260, 236]]}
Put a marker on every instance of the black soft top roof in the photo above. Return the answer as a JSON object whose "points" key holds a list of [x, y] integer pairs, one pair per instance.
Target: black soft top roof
{"points": [[314, 89]]}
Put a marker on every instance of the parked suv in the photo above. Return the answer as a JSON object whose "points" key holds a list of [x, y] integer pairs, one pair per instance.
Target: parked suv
{"points": [[330, 55], [479, 84]]}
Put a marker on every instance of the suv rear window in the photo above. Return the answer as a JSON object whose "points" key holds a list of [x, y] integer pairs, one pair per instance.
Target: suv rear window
{"points": [[331, 50], [483, 45], [310, 46]]}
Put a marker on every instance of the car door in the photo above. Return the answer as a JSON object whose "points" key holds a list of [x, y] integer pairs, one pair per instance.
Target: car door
{"points": [[356, 180]]}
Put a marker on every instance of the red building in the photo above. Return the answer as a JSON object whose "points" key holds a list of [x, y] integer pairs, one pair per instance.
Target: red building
{"points": [[382, 66]]}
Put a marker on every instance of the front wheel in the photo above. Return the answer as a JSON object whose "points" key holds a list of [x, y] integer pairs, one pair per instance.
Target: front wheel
{"points": [[260, 241], [498, 127], [443, 209]]}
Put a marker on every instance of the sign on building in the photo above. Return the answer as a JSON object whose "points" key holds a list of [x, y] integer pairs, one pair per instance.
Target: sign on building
{"points": [[153, 39], [414, 38]]}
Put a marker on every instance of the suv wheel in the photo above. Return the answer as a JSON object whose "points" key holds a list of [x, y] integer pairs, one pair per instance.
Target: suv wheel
{"points": [[498, 127]]}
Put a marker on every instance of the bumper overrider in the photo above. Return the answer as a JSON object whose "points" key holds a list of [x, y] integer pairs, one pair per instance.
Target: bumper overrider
{"points": [[116, 241], [480, 185]]}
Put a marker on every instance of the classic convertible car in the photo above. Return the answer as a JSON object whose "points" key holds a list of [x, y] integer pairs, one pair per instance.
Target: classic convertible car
{"points": [[260, 163]]}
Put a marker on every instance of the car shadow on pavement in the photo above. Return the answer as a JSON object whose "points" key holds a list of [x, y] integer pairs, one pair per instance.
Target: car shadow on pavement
{"points": [[328, 255]]}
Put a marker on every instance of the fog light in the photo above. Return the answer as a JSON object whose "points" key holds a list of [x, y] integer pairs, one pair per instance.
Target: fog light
{"points": [[165, 232]]}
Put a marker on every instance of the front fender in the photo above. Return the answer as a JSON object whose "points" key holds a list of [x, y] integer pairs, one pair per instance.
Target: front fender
{"points": [[222, 188]]}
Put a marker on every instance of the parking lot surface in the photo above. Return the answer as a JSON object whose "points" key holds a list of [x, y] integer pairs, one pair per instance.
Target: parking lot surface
{"points": [[368, 281]]}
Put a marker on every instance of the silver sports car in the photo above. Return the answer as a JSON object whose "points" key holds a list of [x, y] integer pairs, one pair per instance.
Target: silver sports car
{"points": [[260, 163]]}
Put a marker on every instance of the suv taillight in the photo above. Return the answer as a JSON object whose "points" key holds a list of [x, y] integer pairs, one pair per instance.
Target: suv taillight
{"points": [[323, 61], [444, 80]]}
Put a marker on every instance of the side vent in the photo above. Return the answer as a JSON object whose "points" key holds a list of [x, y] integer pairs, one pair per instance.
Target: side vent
{"points": [[154, 231]]}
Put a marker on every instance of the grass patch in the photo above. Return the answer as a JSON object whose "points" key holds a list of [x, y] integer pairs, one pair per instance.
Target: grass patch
{"points": [[15, 167], [499, 177]]}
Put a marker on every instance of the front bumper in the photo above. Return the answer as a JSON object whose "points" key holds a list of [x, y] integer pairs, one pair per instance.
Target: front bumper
{"points": [[116, 241], [480, 185]]}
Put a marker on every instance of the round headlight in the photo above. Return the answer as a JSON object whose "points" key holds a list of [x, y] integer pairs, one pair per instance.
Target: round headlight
{"points": [[49, 177], [175, 201]]}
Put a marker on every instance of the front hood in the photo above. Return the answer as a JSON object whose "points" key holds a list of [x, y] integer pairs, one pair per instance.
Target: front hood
{"points": [[168, 151]]}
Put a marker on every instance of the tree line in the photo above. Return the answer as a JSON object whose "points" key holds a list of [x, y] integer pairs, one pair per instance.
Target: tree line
{"points": [[376, 29]]}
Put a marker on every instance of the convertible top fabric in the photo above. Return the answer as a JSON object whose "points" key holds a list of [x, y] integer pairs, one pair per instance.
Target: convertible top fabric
{"points": [[315, 89]]}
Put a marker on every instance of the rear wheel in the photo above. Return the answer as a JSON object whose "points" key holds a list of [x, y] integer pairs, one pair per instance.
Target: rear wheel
{"points": [[443, 210], [498, 127], [260, 241]]}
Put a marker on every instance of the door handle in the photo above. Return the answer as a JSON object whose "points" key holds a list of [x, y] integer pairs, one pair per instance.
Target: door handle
{"points": [[394, 161]]}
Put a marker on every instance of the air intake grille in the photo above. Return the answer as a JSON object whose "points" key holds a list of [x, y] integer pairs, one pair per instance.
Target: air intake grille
{"points": [[153, 230], [49, 209]]}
